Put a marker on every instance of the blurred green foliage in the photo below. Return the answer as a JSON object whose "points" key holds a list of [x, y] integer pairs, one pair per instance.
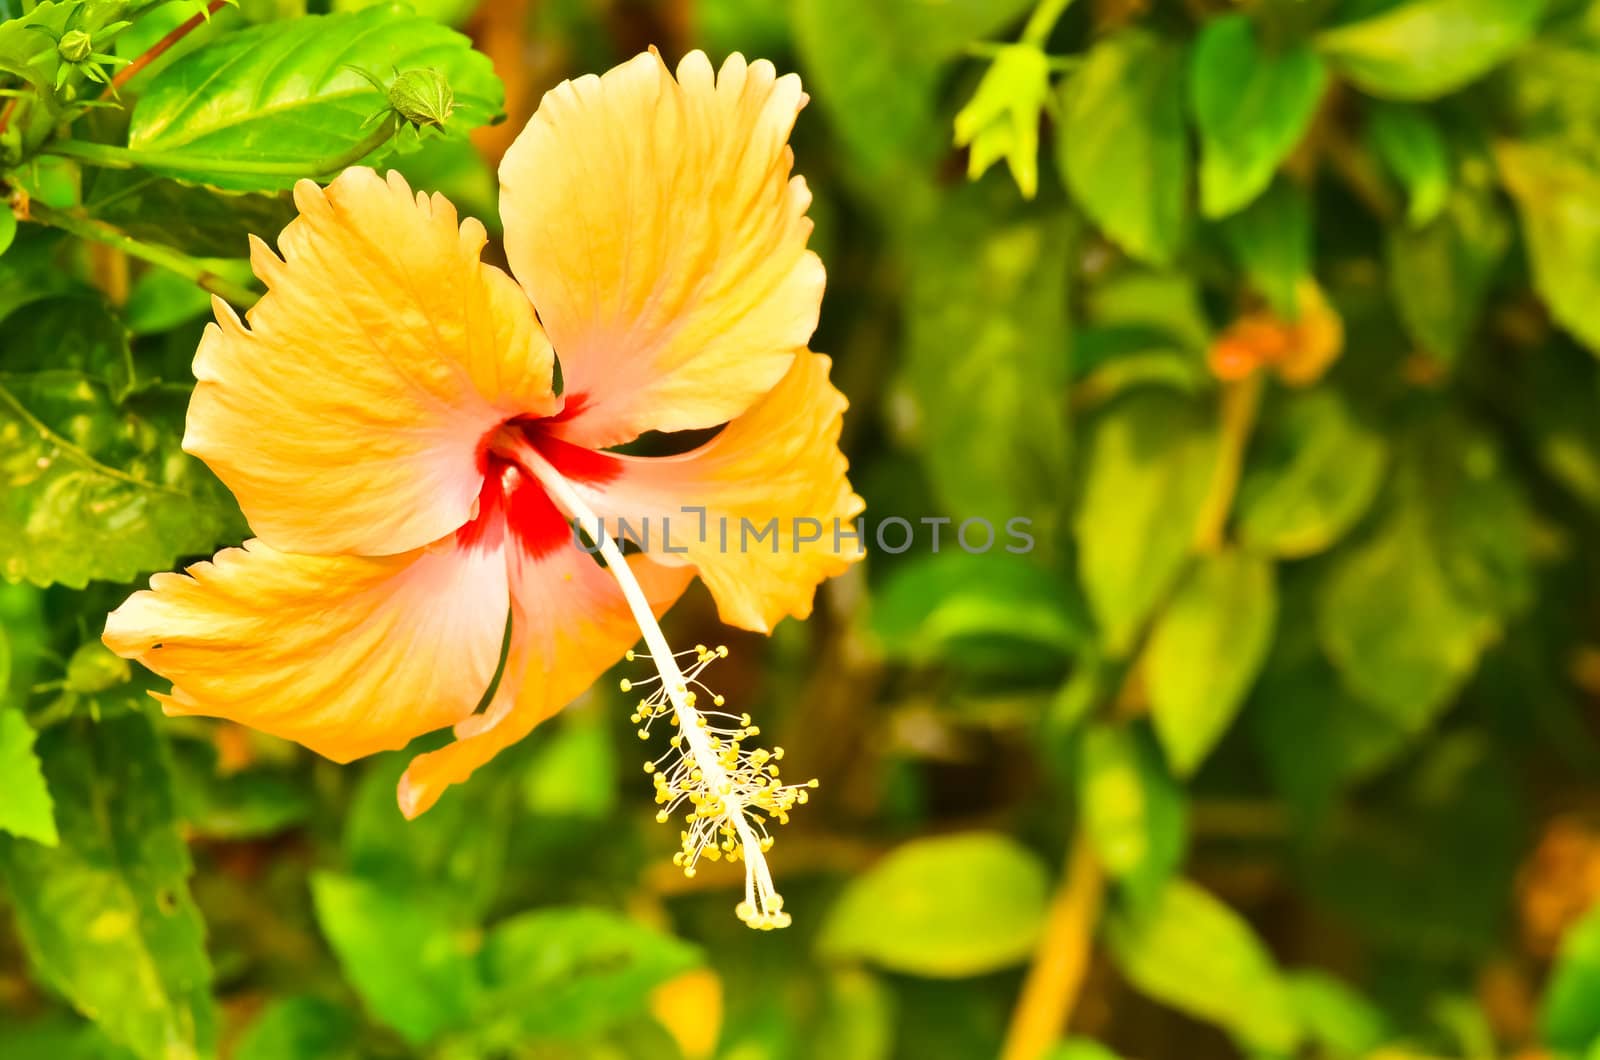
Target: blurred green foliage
{"points": [[1279, 329]]}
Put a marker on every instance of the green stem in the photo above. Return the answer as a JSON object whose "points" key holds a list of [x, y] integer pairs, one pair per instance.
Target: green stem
{"points": [[1042, 21], [163, 257], [111, 156]]}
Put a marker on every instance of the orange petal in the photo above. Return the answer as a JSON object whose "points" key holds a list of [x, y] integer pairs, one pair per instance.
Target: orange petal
{"points": [[654, 224], [569, 625], [777, 464], [343, 654], [348, 416]]}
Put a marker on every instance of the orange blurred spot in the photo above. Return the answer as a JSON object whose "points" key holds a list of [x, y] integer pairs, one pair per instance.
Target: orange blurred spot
{"points": [[1558, 883], [1299, 351], [235, 749], [690, 1008]]}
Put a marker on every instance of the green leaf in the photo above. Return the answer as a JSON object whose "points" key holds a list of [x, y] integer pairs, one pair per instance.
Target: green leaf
{"points": [[1439, 275], [450, 12], [985, 357], [1553, 82], [1557, 401], [1423, 49], [949, 907], [285, 93], [565, 973], [1122, 147], [106, 916], [8, 227], [1081, 1049], [200, 221], [1313, 471], [22, 641], [162, 300], [58, 1037], [1271, 238], [1146, 474], [1143, 328], [1195, 954], [1252, 104], [412, 962], [299, 1028], [1167, 301], [27, 810], [1314, 736], [1406, 612], [32, 270], [158, 20], [758, 27], [1569, 1015], [989, 612], [875, 70], [1132, 808], [1397, 878], [1343, 1022], [1205, 651], [1395, 629], [858, 1020], [456, 851], [1413, 148], [1558, 198], [95, 484], [574, 768], [243, 805]]}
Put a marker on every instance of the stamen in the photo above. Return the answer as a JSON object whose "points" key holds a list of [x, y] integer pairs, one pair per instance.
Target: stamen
{"points": [[727, 793]]}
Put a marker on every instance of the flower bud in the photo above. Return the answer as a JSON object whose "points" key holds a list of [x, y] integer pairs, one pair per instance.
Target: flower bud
{"points": [[422, 97], [94, 669], [1002, 118], [75, 46]]}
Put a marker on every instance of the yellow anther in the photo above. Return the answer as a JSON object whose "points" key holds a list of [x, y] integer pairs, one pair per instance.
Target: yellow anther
{"points": [[625, 684]]}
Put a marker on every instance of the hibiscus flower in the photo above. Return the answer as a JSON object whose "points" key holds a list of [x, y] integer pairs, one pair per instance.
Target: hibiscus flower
{"points": [[389, 417]]}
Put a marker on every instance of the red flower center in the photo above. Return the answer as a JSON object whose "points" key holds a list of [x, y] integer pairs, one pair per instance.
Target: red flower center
{"points": [[513, 501]]}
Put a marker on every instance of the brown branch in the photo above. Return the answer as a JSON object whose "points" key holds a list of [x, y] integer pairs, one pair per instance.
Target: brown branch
{"points": [[1059, 964], [160, 48]]}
